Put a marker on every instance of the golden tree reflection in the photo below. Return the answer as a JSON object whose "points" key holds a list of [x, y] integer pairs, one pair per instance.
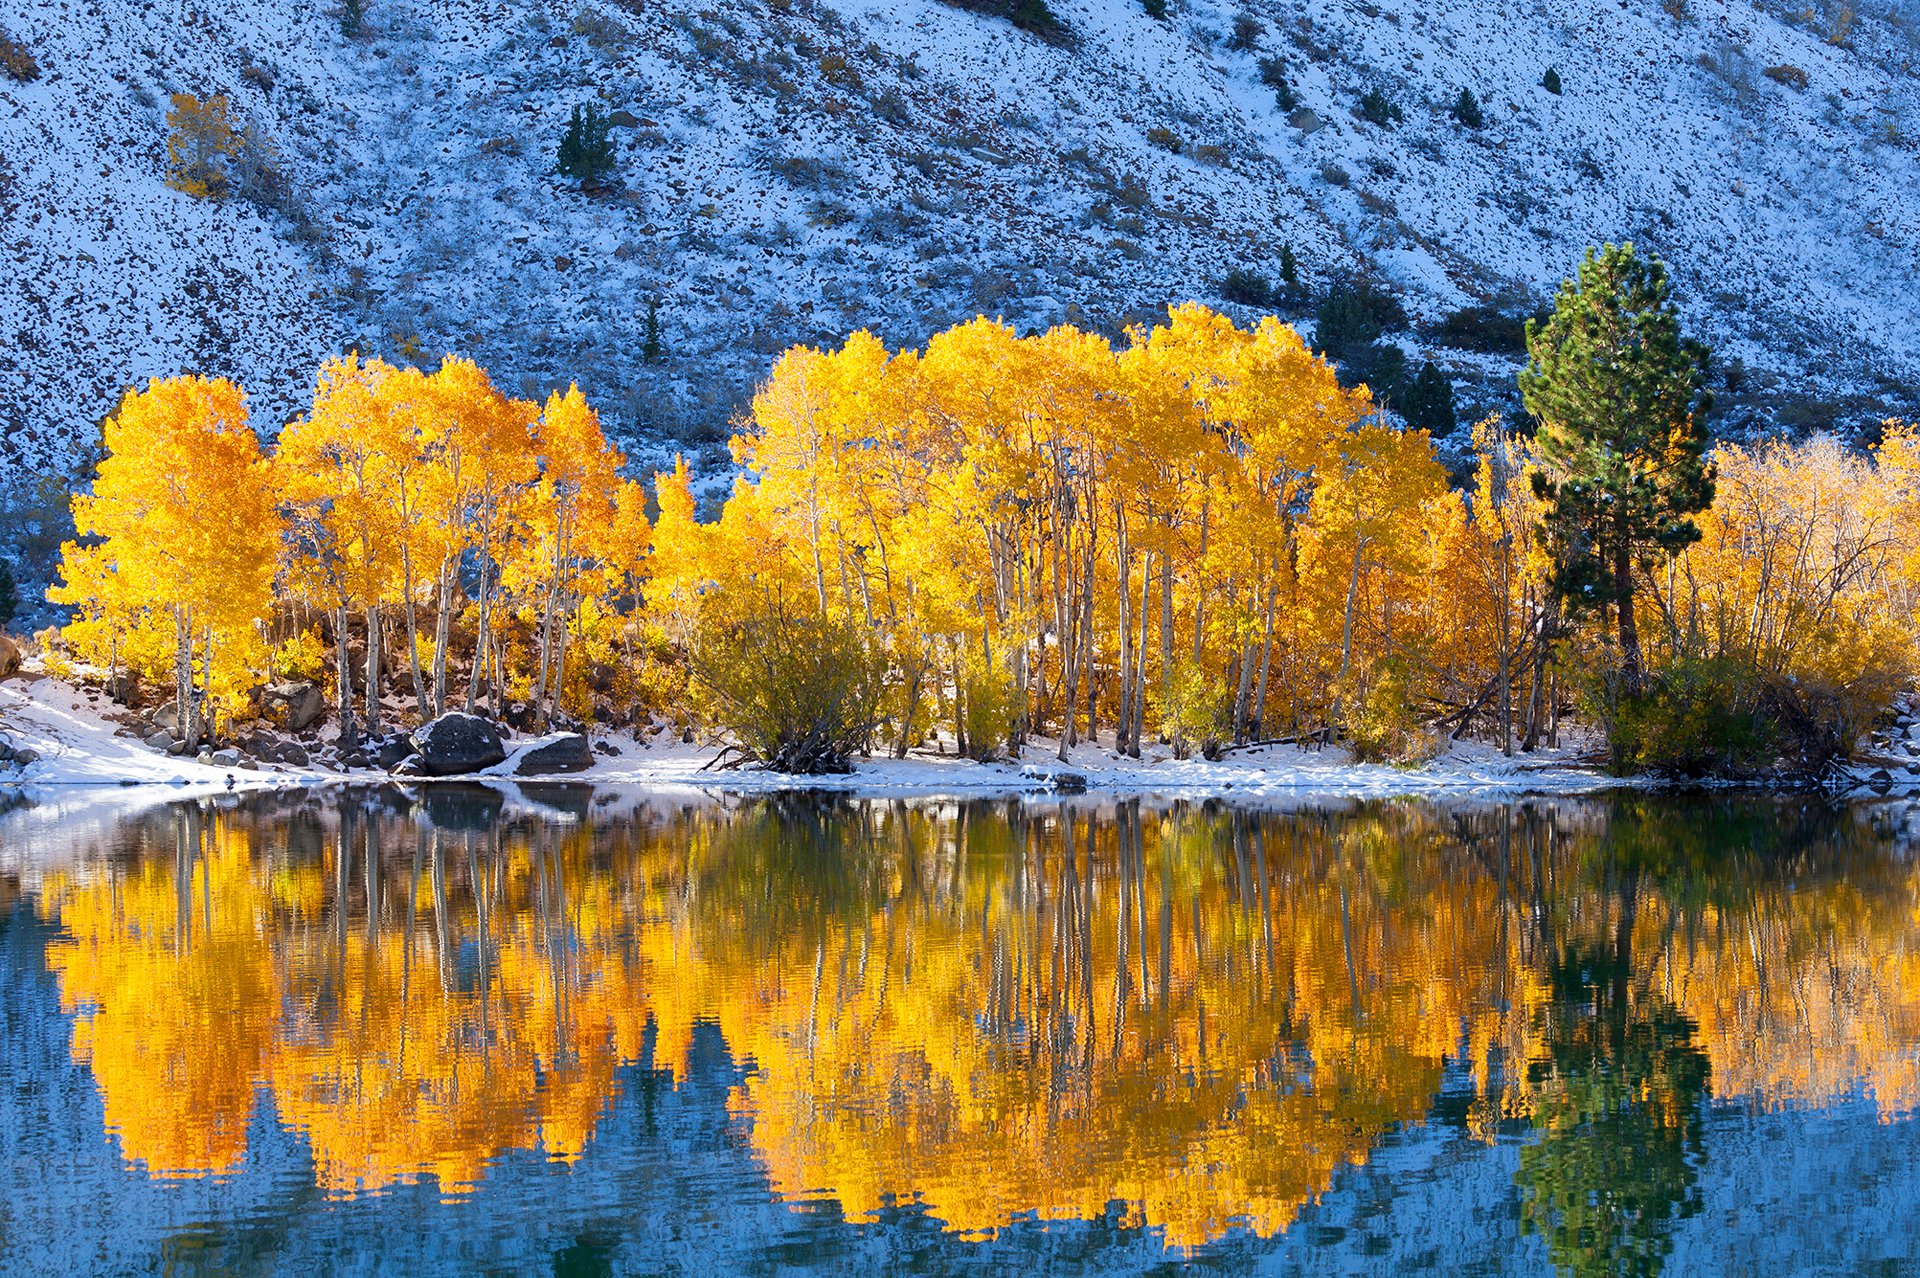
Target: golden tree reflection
{"points": [[998, 1010]]}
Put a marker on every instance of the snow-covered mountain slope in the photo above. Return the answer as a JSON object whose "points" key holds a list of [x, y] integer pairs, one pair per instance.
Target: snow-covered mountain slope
{"points": [[792, 169]]}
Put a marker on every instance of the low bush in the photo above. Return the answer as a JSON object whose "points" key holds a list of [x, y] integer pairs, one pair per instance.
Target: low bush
{"points": [[1696, 717], [1035, 17], [1164, 138], [1791, 76], [1487, 329], [1247, 31], [1384, 727], [1243, 287], [988, 711], [16, 60], [795, 692]]}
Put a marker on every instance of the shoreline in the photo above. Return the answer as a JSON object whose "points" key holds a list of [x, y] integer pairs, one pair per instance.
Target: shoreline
{"points": [[76, 749]]}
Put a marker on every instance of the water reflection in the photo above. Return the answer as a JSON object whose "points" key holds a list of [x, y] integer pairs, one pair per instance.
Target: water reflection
{"points": [[1187, 1018]]}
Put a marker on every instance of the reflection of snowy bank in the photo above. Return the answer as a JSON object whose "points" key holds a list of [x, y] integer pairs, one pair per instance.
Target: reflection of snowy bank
{"points": [[74, 744]]}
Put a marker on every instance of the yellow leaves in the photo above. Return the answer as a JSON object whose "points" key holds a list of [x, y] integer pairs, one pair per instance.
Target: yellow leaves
{"points": [[183, 501], [203, 138]]}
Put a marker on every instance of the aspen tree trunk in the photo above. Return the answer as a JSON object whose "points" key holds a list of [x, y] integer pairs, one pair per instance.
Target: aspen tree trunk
{"points": [[373, 669], [343, 673], [481, 602], [442, 628], [1346, 641], [1166, 639], [1140, 674], [413, 631], [1087, 643], [1125, 720], [1241, 695], [183, 676], [1266, 661], [1199, 591], [1506, 655]]}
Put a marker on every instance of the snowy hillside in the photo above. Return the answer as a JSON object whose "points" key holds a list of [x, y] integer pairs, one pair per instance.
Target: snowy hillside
{"points": [[792, 169]]}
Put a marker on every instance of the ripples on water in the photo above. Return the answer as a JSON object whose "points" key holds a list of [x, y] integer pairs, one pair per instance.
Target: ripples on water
{"points": [[568, 1032]]}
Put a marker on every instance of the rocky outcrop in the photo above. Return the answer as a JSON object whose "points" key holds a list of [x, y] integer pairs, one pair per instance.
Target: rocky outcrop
{"points": [[9, 657], [457, 743]]}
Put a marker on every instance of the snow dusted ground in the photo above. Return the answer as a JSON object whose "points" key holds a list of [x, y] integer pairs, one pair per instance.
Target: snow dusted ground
{"points": [[76, 746], [794, 170]]}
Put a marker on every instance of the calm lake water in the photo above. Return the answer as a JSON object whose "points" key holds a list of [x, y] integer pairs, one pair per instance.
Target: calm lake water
{"points": [[570, 1032]]}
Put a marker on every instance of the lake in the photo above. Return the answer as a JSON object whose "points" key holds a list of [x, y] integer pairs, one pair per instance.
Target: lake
{"points": [[554, 1030]]}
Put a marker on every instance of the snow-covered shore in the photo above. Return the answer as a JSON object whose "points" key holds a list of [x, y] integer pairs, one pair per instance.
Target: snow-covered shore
{"points": [[62, 729]]}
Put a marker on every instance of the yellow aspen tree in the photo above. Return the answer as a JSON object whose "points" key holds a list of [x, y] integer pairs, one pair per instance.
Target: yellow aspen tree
{"points": [[183, 504]]}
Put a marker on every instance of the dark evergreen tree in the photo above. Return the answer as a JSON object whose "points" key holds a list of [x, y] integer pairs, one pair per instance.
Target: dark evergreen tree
{"points": [[1289, 267], [1620, 397], [651, 348], [1377, 108], [9, 594], [1156, 9], [1352, 314], [352, 12], [586, 148], [1426, 402], [1551, 82], [1273, 74], [1466, 109]]}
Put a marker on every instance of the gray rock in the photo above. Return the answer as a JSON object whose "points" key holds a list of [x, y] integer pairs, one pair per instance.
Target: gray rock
{"points": [[159, 740], [23, 755], [1058, 782], [391, 752], [570, 753], [177, 748], [292, 752], [228, 758], [456, 743], [297, 706]]}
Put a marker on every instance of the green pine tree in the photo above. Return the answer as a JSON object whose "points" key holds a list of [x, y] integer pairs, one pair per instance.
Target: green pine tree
{"points": [[9, 594], [351, 14], [1466, 109], [1620, 397], [1427, 402], [651, 348], [1551, 82], [1289, 267], [586, 149], [1156, 9]]}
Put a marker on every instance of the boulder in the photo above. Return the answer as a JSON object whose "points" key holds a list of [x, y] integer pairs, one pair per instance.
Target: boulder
{"points": [[292, 752], [22, 756], [606, 747], [228, 758], [456, 743], [297, 706], [391, 752], [569, 753], [160, 740], [1058, 782], [9, 657]]}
